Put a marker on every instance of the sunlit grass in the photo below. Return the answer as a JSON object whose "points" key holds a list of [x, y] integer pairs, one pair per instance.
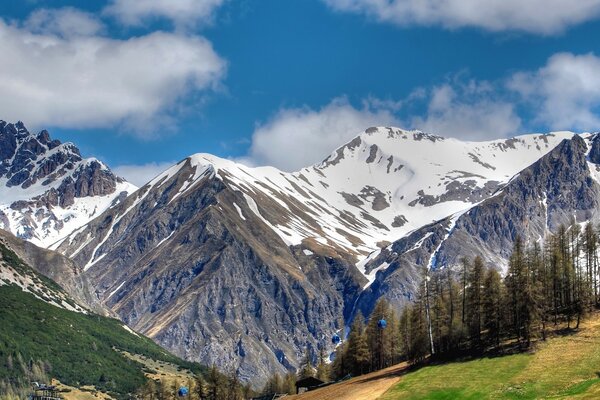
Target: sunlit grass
{"points": [[565, 367]]}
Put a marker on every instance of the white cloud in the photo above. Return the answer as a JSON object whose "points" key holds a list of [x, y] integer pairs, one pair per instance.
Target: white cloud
{"points": [[180, 12], [533, 16], [63, 22], [297, 137], [468, 111], [565, 93], [139, 175], [94, 81]]}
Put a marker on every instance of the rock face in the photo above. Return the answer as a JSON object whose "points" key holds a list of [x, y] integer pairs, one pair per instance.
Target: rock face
{"points": [[560, 188], [206, 276], [246, 267], [58, 268], [47, 189]]}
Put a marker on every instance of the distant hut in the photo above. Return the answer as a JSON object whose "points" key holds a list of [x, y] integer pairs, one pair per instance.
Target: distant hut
{"points": [[44, 392], [308, 383]]}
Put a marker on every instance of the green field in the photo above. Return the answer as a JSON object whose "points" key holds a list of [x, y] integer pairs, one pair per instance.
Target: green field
{"points": [[565, 367]]}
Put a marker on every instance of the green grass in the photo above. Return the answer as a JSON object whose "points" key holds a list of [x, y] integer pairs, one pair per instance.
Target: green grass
{"points": [[563, 368], [77, 349]]}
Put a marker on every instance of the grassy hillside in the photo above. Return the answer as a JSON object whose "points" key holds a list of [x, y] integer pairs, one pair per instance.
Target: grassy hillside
{"points": [[565, 367], [40, 341]]}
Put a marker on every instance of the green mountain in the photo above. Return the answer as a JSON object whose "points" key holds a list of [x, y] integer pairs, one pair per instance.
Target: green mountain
{"points": [[45, 334]]}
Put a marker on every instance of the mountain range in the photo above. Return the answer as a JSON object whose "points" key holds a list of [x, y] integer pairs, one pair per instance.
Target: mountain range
{"points": [[247, 267]]}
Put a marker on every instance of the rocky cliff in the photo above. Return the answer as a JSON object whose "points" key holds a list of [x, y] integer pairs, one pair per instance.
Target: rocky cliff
{"points": [[47, 189]]}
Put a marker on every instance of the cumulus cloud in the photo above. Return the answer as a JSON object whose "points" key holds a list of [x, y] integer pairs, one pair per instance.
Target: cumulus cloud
{"points": [[469, 111], [64, 22], [563, 94], [532, 16], [140, 174], [79, 81], [297, 137], [180, 12]]}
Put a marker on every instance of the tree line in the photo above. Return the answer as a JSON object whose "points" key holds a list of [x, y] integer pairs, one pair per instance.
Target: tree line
{"points": [[472, 309], [213, 385]]}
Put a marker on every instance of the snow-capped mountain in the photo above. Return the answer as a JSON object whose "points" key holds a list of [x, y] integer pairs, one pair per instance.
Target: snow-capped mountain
{"points": [[47, 190], [380, 186], [561, 188], [245, 267]]}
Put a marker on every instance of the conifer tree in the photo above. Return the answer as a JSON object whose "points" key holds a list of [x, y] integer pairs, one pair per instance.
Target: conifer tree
{"points": [[214, 383], [465, 272], [357, 352], [492, 305], [306, 366], [419, 345], [475, 300], [289, 383], [377, 338], [200, 388], [322, 366]]}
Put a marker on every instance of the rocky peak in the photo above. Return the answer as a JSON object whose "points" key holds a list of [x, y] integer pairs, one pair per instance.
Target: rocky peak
{"points": [[28, 159], [38, 174]]}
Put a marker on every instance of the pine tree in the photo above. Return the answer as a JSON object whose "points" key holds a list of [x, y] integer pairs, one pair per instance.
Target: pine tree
{"points": [[340, 366], [214, 383], [233, 388], [377, 337], [419, 346], [200, 388], [289, 383], [322, 366], [405, 330], [514, 282], [465, 272], [357, 352], [306, 366], [247, 391], [274, 385], [475, 301], [393, 339], [492, 305]]}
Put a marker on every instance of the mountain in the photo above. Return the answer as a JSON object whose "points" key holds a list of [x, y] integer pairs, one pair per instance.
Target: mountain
{"points": [[561, 188], [55, 266], [246, 267], [47, 333], [47, 190]]}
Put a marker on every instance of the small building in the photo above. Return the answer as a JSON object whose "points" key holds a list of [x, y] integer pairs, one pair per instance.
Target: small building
{"points": [[308, 383], [44, 392]]}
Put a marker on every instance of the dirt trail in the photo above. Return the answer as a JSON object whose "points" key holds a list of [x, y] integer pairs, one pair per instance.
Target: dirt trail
{"points": [[365, 387]]}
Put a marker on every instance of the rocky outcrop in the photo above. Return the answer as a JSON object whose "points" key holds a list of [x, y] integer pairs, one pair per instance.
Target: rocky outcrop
{"points": [[41, 178]]}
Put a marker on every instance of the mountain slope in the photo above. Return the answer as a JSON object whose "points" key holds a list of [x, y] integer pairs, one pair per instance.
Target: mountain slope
{"points": [[560, 188], [45, 333], [180, 267], [47, 190], [57, 267], [246, 267]]}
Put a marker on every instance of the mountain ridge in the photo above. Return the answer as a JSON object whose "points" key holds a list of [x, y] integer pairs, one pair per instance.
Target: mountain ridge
{"points": [[215, 258], [248, 267], [47, 189]]}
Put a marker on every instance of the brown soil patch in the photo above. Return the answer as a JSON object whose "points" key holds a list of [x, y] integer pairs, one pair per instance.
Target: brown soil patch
{"points": [[365, 387]]}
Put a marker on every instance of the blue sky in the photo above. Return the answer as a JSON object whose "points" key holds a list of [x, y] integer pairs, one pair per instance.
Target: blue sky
{"points": [[142, 83]]}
